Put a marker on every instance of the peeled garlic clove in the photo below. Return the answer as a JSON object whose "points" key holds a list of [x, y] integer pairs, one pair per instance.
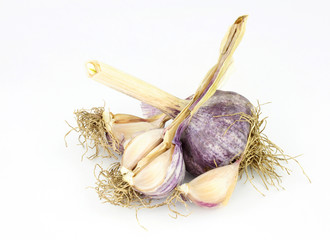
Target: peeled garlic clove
{"points": [[212, 188], [140, 146]]}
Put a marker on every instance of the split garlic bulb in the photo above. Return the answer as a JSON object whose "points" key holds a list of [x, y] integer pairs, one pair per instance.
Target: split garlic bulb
{"points": [[160, 174]]}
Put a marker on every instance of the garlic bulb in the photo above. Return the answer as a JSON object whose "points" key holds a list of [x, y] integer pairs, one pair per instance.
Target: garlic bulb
{"points": [[212, 188], [221, 130], [152, 163], [206, 138]]}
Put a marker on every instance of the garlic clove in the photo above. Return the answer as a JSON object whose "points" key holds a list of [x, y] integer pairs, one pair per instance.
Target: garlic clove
{"points": [[140, 146], [153, 175], [174, 175], [126, 131], [212, 188], [159, 177], [124, 127]]}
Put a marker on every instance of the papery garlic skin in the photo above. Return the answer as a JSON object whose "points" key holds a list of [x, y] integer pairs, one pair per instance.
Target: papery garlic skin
{"points": [[215, 134], [213, 188], [148, 110]]}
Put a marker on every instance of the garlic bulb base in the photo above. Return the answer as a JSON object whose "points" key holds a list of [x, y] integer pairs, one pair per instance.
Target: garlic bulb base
{"points": [[127, 175], [184, 189], [94, 135]]}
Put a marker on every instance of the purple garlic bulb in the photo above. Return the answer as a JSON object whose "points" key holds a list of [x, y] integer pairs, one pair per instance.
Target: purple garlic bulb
{"points": [[215, 137]]}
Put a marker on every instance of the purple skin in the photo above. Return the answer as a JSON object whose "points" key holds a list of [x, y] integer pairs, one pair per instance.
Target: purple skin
{"points": [[208, 205], [204, 142], [110, 142], [149, 111], [174, 177]]}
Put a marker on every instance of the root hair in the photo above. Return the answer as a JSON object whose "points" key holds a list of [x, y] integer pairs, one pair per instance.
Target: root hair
{"points": [[111, 188], [261, 156], [93, 134]]}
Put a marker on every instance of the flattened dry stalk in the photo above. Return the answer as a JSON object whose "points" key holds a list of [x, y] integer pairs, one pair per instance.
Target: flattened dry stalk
{"points": [[134, 87], [261, 155], [112, 188], [93, 133]]}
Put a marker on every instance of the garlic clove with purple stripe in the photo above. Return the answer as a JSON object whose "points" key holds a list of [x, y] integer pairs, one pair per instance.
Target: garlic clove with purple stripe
{"points": [[213, 188], [152, 165], [152, 176], [158, 178]]}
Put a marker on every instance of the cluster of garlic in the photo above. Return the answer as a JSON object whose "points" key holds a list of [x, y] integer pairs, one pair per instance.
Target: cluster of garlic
{"points": [[152, 162]]}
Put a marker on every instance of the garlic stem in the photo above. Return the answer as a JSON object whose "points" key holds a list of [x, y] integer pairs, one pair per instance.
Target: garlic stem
{"points": [[156, 97], [135, 88]]}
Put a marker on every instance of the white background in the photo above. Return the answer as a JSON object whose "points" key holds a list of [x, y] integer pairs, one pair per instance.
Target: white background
{"points": [[283, 59]]}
